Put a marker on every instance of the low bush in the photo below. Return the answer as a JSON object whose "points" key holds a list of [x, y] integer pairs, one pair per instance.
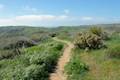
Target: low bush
{"points": [[96, 30], [75, 66], [100, 32], [114, 52], [35, 72], [7, 54], [47, 59], [53, 34], [87, 40], [20, 44], [58, 47], [18, 73], [105, 36], [35, 63]]}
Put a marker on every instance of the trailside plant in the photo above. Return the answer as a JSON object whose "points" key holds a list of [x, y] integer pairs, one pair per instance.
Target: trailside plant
{"points": [[75, 66], [114, 51], [88, 40], [100, 32]]}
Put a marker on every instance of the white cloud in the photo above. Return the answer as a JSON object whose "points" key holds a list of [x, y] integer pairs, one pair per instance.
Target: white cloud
{"points": [[32, 19], [87, 18], [40, 17], [53, 20], [61, 17]]}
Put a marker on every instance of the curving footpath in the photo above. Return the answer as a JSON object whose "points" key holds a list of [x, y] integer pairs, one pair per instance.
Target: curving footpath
{"points": [[59, 72]]}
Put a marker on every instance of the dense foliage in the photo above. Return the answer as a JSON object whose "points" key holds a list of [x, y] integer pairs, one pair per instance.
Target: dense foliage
{"points": [[75, 66], [96, 30], [20, 44], [35, 63], [87, 40], [100, 32]]}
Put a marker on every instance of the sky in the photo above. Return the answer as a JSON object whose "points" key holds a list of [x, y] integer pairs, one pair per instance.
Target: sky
{"points": [[58, 12]]}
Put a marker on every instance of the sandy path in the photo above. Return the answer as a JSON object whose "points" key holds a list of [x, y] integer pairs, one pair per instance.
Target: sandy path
{"points": [[59, 72]]}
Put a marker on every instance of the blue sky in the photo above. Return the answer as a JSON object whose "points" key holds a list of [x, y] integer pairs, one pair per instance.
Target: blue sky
{"points": [[58, 12]]}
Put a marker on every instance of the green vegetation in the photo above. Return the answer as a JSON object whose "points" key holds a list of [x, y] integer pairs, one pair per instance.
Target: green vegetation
{"points": [[114, 51], [35, 63], [96, 30], [100, 32], [30, 53], [87, 40], [75, 67], [102, 64]]}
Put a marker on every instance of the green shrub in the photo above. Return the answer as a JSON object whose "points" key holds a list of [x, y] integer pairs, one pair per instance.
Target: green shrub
{"points": [[35, 72], [38, 58], [96, 30], [105, 36], [87, 40], [75, 66], [35, 63], [99, 32], [18, 73], [114, 52], [47, 59], [7, 54], [58, 47], [53, 34], [20, 44]]}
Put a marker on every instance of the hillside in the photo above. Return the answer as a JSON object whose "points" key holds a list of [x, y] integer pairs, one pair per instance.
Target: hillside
{"points": [[86, 52]]}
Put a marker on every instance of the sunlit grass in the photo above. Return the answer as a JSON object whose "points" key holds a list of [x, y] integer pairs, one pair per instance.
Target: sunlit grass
{"points": [[101, 67]]}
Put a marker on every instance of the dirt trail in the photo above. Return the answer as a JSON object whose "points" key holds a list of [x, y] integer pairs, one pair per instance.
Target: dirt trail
{"points": [[59, 72]]}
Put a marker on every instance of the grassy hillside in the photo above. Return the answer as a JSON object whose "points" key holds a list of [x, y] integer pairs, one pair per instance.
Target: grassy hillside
{"points": [[30, 53], [99, 64]]}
